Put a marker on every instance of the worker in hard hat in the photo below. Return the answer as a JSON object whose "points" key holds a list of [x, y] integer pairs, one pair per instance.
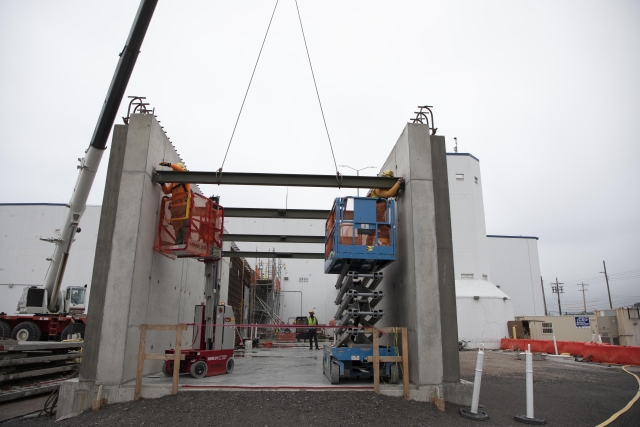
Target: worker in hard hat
{"points": [[312, 320], [384, 231], [180, 199], [391, 192]]}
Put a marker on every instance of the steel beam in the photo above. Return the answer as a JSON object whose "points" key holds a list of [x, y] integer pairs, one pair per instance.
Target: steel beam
{"points": [[273, 238], [274, 179], [275, 213], [289, 255]]}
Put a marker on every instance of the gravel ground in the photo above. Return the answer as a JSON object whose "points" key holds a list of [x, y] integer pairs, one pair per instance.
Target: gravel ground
{"points": [[566, 394]]}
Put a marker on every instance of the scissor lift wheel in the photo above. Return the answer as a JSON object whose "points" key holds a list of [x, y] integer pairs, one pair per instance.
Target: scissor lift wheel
{"points": [[167, 369], [335, 373], [394, 374], [198, 369]]}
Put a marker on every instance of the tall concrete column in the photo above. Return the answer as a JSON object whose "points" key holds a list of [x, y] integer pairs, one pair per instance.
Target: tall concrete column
{"points": [[131, 284], [419, 287]]}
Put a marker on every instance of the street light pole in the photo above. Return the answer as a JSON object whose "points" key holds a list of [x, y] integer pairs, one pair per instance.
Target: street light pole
{"points": [[357, 172]]}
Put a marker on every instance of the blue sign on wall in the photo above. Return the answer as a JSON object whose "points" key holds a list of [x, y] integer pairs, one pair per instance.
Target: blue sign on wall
{"points": [[582, 322]]}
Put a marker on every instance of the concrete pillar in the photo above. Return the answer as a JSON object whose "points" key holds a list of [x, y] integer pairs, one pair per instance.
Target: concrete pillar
{"points": [[419, 287], [131, 283]]}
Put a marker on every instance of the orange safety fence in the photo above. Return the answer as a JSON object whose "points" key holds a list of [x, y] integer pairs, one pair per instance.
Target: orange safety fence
{"points": [[596, 352]]}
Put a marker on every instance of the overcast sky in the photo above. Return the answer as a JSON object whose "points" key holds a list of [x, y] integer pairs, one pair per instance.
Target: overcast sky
{"points": [[545, 93]]}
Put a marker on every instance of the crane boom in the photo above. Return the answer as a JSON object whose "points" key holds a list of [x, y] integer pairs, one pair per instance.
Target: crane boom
{"points": [[90, 162]]}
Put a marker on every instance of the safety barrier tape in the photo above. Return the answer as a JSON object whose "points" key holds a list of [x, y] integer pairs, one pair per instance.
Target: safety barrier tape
{"points": [[273, 326]]}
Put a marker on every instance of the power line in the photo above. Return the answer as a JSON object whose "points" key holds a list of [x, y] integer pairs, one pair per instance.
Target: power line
{"points": [[630, 274], [599, 300]]}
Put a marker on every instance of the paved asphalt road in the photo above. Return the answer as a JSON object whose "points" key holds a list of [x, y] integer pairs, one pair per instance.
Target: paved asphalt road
{"points": [[567, 393]]}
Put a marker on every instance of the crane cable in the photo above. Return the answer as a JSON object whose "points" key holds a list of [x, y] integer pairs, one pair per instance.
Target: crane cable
{"points": [[338, 176], [248, 87], [318, 93]]}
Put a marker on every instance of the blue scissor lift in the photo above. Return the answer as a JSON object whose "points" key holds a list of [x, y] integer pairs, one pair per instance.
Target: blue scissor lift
{"points": [[360, 240]]}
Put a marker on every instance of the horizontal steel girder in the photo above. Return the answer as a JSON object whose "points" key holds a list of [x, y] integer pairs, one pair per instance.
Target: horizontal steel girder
{"points": [[274, 179], [272, 238], [275, 213], [289, 255]]}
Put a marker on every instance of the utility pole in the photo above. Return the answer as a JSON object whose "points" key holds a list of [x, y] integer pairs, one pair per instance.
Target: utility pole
{"points": [[557, 289], [544, 299], [607, 279], [583, 290]]}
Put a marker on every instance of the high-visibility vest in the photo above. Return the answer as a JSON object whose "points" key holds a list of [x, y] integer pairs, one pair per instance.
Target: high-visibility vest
{"points": [[313, 321]]}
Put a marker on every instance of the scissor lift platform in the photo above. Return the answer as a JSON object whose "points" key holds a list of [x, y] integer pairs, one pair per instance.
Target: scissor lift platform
{"points": [[360, 235]]}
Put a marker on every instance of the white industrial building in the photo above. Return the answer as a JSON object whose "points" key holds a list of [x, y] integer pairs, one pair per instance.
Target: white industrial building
{"points": [[510, 263], [515, 269], [497, 277]]}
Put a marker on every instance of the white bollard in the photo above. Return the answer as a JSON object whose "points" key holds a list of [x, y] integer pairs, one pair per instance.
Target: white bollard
{"points": [[555, 344], [477, 382], [472, 412], [529, 418], [529, 379]]}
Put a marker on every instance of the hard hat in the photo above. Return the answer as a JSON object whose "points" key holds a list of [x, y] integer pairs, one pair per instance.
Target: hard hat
{"points": [[182, 166], [311, 311], [387, 173]]}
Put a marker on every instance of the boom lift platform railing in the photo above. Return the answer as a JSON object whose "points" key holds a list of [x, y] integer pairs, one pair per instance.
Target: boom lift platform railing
{"points": [[205, 220], [212, 347]]}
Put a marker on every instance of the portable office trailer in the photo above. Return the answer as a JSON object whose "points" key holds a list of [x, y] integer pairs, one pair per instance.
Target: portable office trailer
{"points": [[574, 327]]}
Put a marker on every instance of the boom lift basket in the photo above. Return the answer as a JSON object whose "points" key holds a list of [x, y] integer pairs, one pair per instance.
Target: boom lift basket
{"points": [[205, 221], [360, 232]]}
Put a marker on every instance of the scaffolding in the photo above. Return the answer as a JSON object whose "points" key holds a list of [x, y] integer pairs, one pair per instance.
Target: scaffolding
{"points": [[265, 297], [241, 276]]}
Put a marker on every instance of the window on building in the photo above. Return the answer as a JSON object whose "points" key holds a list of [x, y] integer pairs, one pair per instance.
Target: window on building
{"points": [[547, 328], [303, 279], [460, 177], [485, 277], [466, 276], [476, 178]]}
